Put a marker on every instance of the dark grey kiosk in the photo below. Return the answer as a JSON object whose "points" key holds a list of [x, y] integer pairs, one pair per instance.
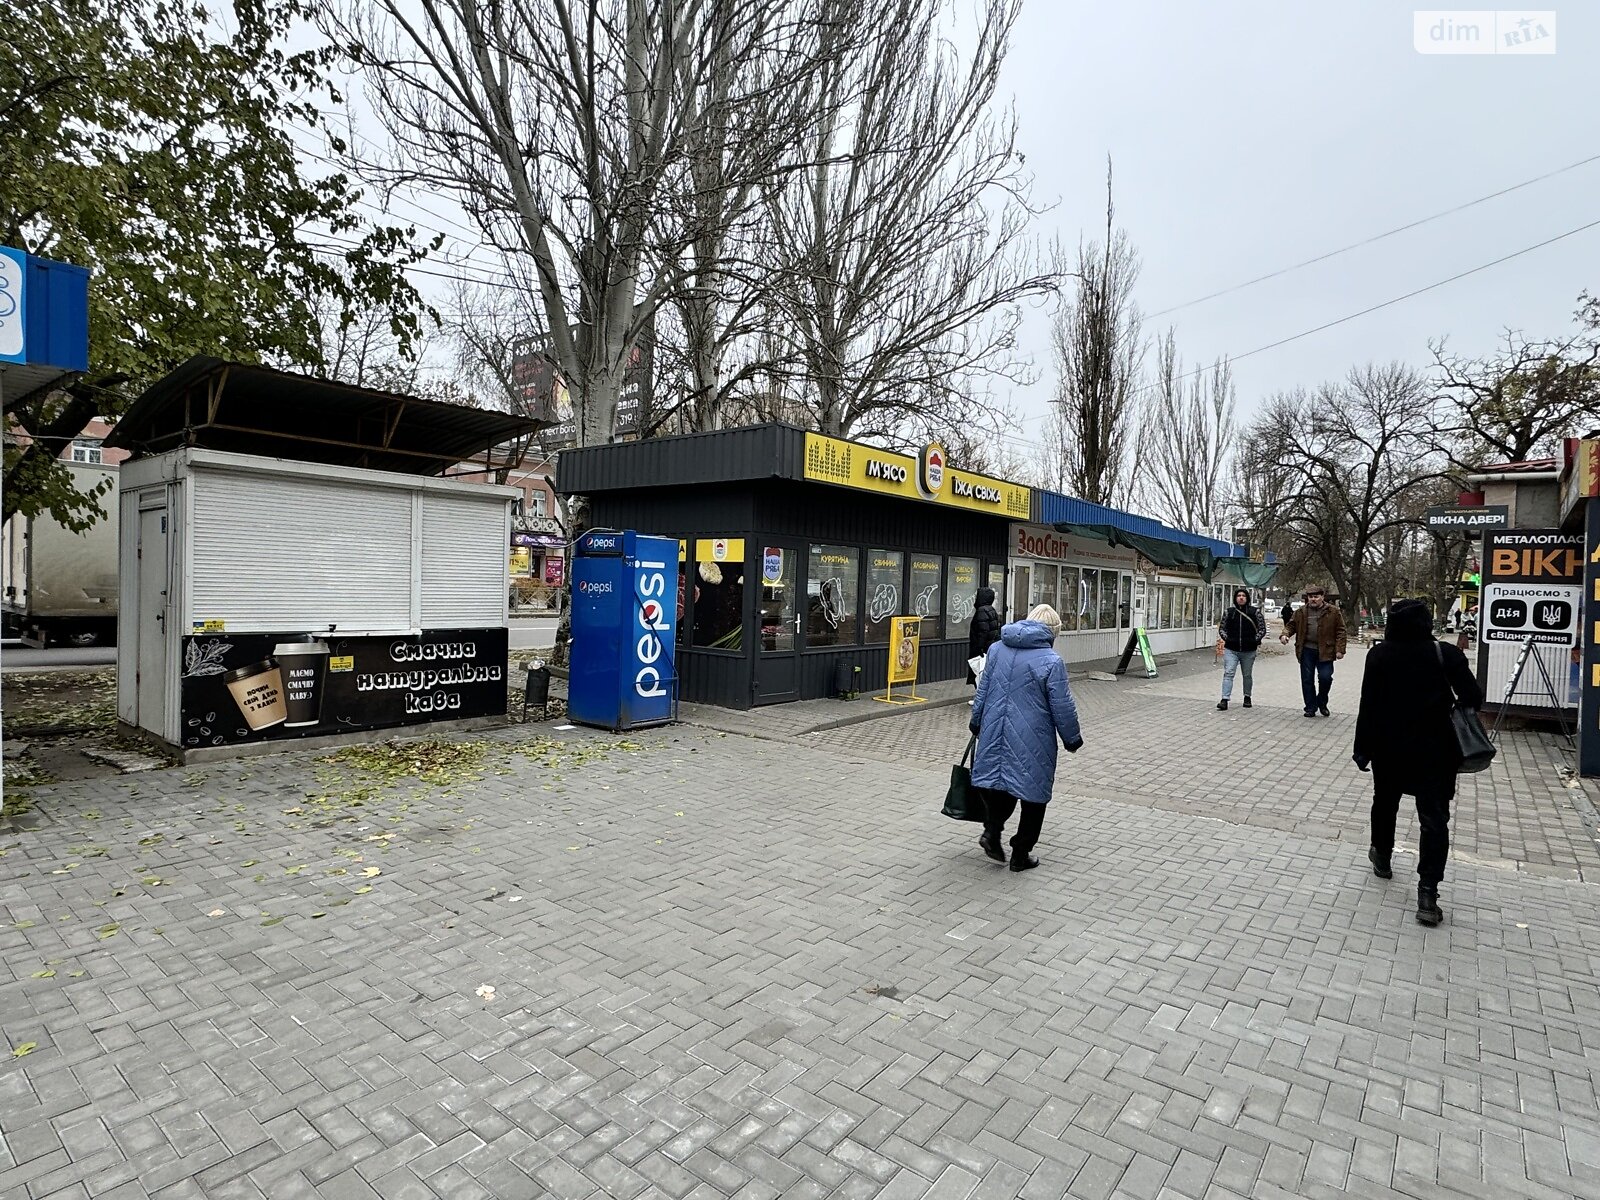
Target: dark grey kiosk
{"points": [[797, 549]]}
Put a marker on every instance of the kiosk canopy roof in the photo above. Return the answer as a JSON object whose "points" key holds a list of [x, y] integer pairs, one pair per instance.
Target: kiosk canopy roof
{"points": [[220, 405]]}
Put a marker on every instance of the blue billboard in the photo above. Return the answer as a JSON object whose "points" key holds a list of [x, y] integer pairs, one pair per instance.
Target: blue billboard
{"points": [[624, 613]]}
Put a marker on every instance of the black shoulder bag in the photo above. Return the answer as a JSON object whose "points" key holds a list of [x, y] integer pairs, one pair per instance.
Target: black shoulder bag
{"points": [[963, 802], [1477, 751]]}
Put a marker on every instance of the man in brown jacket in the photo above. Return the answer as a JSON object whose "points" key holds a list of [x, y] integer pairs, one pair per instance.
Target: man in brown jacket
{"points": [[1319, 641]]}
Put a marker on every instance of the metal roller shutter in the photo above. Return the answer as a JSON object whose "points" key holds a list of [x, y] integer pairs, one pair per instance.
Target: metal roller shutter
{"points": [[275, 553], [465, 575]]}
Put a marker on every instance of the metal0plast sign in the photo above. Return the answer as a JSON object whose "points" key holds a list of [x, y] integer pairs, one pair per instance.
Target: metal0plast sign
{"points": [[1532, 586]]}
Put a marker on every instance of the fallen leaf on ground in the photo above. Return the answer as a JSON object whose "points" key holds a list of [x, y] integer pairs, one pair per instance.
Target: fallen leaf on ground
{"points": [[272, 921], [45, 974], [293, 812], [217, 912], [486, 992], [371, 872], [294, 870], [25, 1049], [364, 889]]}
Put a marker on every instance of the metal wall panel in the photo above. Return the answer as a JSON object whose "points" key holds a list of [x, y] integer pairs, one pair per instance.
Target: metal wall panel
{"points": [[748, 453]]}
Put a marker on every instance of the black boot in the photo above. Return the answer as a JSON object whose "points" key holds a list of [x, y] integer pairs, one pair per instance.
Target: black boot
{"points": [[1428, 910], [1222, 706], [1247, 701], [991, 847], [1380, 863], [1023, 862]]}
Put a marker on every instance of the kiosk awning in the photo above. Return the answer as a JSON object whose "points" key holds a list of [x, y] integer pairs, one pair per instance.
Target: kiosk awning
{"points": [[220, 405]]}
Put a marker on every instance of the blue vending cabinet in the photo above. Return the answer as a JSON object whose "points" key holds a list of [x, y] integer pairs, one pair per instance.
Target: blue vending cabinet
{"points": [[624, 613]]}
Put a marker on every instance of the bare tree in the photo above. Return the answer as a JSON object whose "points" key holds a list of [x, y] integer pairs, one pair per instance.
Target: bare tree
{"points": [[1099, 348], [1520, 401], [900, 251], [565, 128], [1191, 424], [1353, 458]]}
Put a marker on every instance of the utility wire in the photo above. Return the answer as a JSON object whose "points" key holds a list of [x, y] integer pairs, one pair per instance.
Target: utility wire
{"points": [[1305, 333], [1378, 237]]}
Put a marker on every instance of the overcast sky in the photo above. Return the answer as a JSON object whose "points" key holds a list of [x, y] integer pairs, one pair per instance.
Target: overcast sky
{"points": [[1250, 136]]}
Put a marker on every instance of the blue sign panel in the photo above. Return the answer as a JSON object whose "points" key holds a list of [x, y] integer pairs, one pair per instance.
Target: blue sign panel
{"points": [[44, 312], [13, 305], [624, 612]]}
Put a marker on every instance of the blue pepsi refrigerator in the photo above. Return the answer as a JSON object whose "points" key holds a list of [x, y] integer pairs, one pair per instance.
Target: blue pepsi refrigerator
{"points": [[624, 614]]}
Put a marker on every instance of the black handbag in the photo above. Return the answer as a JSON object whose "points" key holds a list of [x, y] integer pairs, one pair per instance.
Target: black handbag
{"points": [[963, 802], [1477, 751]]}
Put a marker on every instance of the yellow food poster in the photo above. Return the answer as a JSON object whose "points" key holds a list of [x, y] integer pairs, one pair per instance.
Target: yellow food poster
{"points": [[905, 648]]}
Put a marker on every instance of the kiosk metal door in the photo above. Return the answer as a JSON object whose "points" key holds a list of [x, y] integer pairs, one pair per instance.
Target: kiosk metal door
{"points": [[777, 662], [153, 561]]}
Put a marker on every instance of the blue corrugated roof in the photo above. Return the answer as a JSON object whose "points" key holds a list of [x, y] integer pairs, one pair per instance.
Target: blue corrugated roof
{"points": [[1056, 509]]}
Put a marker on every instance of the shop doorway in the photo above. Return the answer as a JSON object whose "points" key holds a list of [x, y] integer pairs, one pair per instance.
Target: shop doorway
{"points": [[152, 566], [778, 620]]}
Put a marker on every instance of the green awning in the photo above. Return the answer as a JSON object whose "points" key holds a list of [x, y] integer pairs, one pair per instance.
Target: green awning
{"points": [[1175, 554], [1158, 550], [1251, 574]]}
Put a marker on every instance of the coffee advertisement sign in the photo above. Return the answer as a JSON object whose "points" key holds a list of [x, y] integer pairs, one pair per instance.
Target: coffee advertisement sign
{"points": [[239, 688]]}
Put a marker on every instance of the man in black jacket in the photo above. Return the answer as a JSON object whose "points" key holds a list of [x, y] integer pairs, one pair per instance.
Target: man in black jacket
{"points": [[1240, 633], [1404, 734]]}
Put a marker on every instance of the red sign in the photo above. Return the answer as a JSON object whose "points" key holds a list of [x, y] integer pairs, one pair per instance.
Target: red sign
{"points": [[552, 570]]}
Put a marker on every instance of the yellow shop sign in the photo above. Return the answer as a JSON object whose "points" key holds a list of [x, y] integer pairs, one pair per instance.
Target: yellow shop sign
{"points": [[853, 465]]}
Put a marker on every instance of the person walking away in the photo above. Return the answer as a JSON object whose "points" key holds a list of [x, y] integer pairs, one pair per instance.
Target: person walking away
{"points": [[1023, 705], [1319, 642], [1240, 632], [1405, 737], [984, 630]]}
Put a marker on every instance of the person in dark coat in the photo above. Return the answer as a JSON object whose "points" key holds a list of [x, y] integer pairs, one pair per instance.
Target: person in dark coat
{"points": [[984, 630], [1404, 735], [1023, 706]]}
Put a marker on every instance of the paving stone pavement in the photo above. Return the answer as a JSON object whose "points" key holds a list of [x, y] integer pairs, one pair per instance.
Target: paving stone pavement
{"points": [[1162, 744], [730, 967]]}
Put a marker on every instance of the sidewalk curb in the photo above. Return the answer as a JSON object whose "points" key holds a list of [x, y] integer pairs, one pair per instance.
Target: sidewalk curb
{"points": [[862, 718]]}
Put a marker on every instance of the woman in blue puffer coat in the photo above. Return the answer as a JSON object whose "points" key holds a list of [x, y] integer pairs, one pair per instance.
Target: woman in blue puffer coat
{"points": [[1023, 705]]}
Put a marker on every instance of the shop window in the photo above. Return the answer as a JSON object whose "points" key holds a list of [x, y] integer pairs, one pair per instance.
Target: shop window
{"points": [[885, 581], [1188, 607], [1044, 589], [832, 578], [1108, 599], [1164, 607], [1089, 596], [1068, 607], [777, 599], [718, 604], [1127, 601], [961, 597], [927, 601], [521, 561]]}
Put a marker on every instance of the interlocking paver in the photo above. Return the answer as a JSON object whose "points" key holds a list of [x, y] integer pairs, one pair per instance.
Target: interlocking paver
{"points": [[806, 984]]}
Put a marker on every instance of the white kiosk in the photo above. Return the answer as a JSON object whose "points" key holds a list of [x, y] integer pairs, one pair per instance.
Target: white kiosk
{"points": [[325, 585]]}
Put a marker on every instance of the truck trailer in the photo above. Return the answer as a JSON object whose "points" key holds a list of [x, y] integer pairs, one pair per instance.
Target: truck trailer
{"points": [[60, 587]]}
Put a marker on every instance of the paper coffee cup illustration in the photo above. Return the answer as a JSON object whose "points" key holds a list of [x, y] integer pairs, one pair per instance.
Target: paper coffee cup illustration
{"points": [[258, 691], [304, 663]]}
